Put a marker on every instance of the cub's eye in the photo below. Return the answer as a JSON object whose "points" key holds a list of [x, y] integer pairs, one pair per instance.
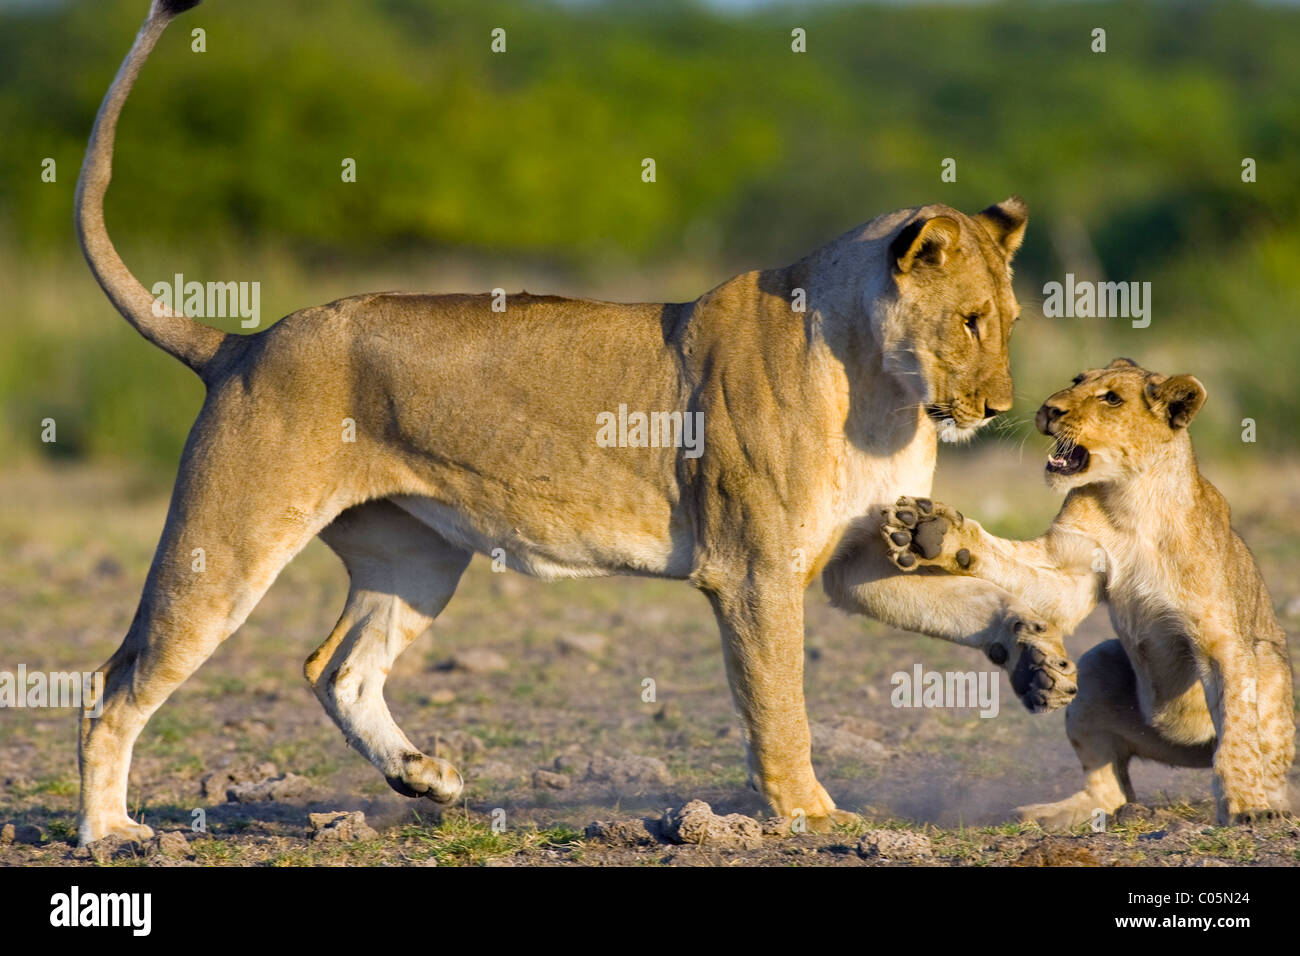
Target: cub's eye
{"points": [[973, 325], [1110, 398]]}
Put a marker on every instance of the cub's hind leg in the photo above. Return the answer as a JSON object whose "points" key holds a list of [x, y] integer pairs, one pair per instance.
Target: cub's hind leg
{"points": [[1276, 722], [1107, 730], [403, 574]]}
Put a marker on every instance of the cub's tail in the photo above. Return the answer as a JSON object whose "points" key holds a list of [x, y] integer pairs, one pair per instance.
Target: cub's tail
{"points": [[194, 344]]}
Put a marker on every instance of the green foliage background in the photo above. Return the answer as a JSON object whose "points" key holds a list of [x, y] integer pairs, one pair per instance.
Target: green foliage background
{"points": [[477, 168]]}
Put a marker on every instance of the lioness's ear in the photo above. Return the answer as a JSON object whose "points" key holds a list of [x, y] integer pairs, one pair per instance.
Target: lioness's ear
{"points": [[1006, 222], [1178, 398], [924, 241]]}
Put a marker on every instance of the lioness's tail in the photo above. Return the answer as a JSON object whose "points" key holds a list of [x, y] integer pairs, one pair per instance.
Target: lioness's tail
{"points": [[192, 343]]}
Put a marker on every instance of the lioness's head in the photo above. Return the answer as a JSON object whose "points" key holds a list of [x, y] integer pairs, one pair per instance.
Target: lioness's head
{"points": [[1115, 422], [944, 319]]}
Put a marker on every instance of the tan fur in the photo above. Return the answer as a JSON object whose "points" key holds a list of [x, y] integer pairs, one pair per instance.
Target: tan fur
{"points": [[1200, 675], [476, 431]]}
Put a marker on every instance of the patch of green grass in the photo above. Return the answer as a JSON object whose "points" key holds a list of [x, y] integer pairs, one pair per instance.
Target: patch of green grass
{"points": [[462, 841], [1227, 843], [54, 786]]}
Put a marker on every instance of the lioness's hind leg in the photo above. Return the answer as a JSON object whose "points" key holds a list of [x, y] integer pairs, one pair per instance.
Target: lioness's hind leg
{"points": [[215, 560], [403, 574]]}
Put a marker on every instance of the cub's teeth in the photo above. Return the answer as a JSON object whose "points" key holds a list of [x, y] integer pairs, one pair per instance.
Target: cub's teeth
{"points": [[1053, 460]]}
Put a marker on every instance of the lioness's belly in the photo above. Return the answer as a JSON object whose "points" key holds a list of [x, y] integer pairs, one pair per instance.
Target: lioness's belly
{"points": [[585, 543]]}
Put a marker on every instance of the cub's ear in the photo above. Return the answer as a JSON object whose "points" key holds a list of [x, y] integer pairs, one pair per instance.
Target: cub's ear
{"points": [[1006, 222], [927, 241], [1122, 363], [1178, 398]]}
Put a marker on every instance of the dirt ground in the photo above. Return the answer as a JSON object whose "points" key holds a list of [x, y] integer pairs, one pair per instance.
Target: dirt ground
{"points": [[535, 691]]}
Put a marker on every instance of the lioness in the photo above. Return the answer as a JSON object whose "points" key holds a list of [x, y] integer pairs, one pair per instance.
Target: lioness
{"points": [[411, 431], [1200, 675]]}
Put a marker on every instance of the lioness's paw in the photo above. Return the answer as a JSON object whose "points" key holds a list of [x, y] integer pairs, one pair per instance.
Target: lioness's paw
{"points": [[425, 776], [1042, 674], [918, 531]]}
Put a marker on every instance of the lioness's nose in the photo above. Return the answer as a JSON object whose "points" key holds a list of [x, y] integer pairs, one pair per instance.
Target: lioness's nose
{"points": [[1046, 416]]}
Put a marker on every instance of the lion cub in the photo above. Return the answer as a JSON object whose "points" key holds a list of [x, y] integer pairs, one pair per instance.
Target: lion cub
{"points": [[1200, 675]]}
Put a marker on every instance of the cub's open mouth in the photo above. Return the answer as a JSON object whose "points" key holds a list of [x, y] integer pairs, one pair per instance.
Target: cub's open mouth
{"points": [[1067, 462]]}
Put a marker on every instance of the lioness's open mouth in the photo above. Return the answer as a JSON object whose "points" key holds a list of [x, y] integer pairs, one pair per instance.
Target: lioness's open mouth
{"points": [[1067, 462]]}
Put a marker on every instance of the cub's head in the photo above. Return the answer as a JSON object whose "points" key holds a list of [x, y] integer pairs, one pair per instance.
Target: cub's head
{"points": [[944, 317], [1115, 422]]}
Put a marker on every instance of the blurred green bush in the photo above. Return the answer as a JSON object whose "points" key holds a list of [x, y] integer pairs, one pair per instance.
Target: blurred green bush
{"points": [[228, 166]]}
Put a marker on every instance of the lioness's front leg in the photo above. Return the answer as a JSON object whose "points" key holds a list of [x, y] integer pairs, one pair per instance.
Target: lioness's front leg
{"points": [[762, 638], [965, 610], [1061, 575]]}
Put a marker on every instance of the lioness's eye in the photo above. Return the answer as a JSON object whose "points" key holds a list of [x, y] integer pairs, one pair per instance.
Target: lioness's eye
{"points": [[1110, 398], [973, 324]]}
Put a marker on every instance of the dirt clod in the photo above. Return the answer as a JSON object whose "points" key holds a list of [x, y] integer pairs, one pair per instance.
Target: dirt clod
{"points": [[621, 833], [215, 784], [20, 833], [697, 823], [549, 780], [593, 645], [171, 843], [287, 786], [341, 826], [476, 660], [897, 845]]}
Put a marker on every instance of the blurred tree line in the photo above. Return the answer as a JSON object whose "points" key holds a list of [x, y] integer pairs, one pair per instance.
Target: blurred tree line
{"points": [[1131, 159]]}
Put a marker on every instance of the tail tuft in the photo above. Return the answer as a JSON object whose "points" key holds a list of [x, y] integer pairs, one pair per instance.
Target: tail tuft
{"points": [[171, 8]]}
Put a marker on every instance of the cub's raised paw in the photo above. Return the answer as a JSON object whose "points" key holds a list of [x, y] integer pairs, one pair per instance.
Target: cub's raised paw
{"points": [[920, 532], [1042, 674]]}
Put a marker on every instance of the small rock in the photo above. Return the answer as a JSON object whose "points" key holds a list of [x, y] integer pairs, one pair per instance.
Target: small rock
{"points": [[697, 823], [108, 567], [1293, 607], [444, 695], [497, 770], [215, 784], [20, 833], [900, 845], [841, 744], [621, 833], [668, 713], [476, 660], [632, 771], [171, 843], [593, 645], [288, 786], [776, 827], [113, 848], [341, 826], [457, 746], [548, 780]]}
